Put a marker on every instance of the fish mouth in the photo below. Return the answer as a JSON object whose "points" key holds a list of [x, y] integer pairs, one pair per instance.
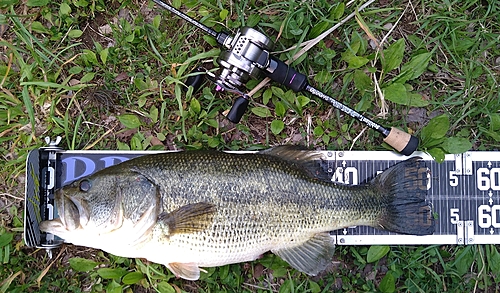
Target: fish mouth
{"points": [[72, 213]]}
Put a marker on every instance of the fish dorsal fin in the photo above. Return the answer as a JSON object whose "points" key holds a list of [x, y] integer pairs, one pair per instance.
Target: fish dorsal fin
{"points": [[303, 159], [189, 218], [188, 271], [312, 256]]}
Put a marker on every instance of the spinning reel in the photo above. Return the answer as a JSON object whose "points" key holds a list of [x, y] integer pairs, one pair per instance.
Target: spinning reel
{"points": [[247, 55]]}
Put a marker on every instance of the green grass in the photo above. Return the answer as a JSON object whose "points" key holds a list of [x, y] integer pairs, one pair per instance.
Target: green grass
{"points": [[108, 74]]}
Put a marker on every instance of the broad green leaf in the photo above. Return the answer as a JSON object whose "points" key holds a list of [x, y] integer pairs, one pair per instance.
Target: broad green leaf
{"points": [[302, 101], [266, 96], [277, 126], [213, 142], [89, 57], [118, 289], [376, 252], [141, 101], [464, 259], [365, 103], [64, 9], [224, 271], [223, 14], [456, 145], [104, 55], [81, 3], [111, 273], [280, 109], [362, 81], [388, 283], [75, 33], [136, 142], [132, 278], [414, 68], [165, 287], [326, 139], [430, 143], [39, 27], [81, 264], [87, 77], [436, 128], [140, 84], [75, 70], [495, 121], [318, 29], [354, 61], [318, 131], [210, 40], [176, 3], [122, 146], [393, 56], [416, 100], [353, 249], [5, 4], [437, 154], [280, 272], [5, 239], [195, 106], [314, 287], [278, 92], [253, 19], [463, 45], [212, 122], [261, 112], [493, 258], [433, 68], [337, 12], [322, 77], [287, 286], [130, 38], [129, 120], [153, 114], [203, 11], [157, 21], [289, 96], [37, 3], [396, 93]]}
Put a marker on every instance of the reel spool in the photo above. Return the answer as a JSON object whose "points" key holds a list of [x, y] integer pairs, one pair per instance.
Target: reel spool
{"points": [[248, 54]]}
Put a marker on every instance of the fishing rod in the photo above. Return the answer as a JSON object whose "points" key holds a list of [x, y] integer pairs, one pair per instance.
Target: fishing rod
{"points": [[248, 56]]}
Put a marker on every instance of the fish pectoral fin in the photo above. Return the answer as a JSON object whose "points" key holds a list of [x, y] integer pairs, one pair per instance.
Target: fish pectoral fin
{"points": [[189, 218], [310, 257], [188, 271]]}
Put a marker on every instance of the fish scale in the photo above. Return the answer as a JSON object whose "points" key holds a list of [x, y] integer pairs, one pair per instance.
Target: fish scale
{"points": [[195, 209]]}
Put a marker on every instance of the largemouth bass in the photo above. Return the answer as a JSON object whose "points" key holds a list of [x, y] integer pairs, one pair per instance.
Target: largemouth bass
{"points": [[194, 209]]}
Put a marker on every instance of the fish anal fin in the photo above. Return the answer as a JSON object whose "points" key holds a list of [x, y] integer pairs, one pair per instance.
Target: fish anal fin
{"points": [[188, 271], [310, 257], [189, 218]]}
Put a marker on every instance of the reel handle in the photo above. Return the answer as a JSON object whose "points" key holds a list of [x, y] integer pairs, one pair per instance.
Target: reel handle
{"points": [[239, 108], [195, 80]]}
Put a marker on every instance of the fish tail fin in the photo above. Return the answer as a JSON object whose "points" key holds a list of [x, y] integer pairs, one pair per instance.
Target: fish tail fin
{"points": [[404, 186]]}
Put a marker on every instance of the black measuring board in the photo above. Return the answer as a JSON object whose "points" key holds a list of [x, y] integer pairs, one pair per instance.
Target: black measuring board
{"points": [[464, 191]]}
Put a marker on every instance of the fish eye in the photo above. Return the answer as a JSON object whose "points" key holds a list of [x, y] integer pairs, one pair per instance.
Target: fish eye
{"points": [[85, 185]]}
